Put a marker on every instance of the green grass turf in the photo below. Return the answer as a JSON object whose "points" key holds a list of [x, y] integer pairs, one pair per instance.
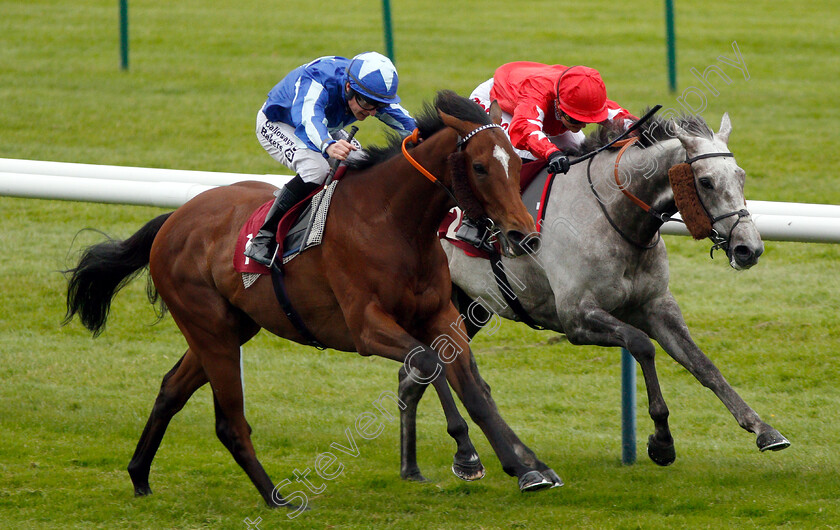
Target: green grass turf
{"points": [[72, 408]]}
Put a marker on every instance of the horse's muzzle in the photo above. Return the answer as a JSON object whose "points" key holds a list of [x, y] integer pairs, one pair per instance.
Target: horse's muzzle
{"points": [[744, 256], [519, 244]]}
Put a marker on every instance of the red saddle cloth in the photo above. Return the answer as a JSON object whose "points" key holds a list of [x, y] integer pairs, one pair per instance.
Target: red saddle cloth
{"points": [[529, 172], [452, 221], [255, 221]]}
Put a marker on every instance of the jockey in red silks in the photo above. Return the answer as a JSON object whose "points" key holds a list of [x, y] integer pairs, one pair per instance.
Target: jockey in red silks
{"points": [[544, 108]]}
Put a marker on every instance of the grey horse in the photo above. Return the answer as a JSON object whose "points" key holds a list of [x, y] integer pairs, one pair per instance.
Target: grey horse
{"points": [[601, 277]]}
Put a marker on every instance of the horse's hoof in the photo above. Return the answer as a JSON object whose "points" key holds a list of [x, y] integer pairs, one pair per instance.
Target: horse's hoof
{"points": [[772, 440], [468, 471], [142, 491], [533, 481], [555, 479], [414, 476], [292, 507], [661, 454]]}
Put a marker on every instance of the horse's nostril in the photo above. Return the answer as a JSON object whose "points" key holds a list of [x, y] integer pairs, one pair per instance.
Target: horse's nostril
{"points": [[529, 244], [744, 254], [532, 244]]}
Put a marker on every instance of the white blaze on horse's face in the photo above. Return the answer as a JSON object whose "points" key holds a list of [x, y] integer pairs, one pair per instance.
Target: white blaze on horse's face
{"points": [[503, 157]]}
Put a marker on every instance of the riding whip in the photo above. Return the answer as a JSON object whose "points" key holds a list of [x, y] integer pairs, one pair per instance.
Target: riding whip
{"points": [[618, 138], [333, 168]]}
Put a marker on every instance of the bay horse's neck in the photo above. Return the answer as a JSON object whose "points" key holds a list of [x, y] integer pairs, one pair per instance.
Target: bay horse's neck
{"points": [[418, 203], [648, 180]]}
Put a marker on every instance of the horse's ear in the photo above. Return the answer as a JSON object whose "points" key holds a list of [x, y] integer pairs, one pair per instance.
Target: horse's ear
{"points": [[496, 112], [455, 123], [688, 141], [725, 128]]}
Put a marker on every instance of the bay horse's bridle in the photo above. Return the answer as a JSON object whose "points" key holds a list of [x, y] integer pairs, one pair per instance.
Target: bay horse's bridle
{"points": [[471, 207], [720, 242]]}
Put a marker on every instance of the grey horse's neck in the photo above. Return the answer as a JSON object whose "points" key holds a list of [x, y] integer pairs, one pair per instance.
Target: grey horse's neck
{"points": [[643, 173]]}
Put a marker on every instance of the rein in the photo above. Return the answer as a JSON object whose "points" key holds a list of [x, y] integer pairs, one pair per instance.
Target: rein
{"points": [[637, 201]]}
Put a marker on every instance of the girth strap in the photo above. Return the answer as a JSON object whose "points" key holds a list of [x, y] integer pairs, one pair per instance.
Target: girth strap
{"points": [[292, 314], [507, 291]]}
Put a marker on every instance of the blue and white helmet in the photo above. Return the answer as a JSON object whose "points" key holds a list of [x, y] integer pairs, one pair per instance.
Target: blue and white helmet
{"points": [[374, 76]]}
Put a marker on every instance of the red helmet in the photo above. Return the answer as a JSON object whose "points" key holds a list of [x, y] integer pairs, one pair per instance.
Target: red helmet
{"points": [[582, 95]]}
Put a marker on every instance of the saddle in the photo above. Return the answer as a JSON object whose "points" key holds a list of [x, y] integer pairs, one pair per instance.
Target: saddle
{"points": [[298, 223]]}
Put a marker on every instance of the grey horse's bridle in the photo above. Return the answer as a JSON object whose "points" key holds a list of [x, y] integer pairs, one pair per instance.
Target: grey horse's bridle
{"points": [[720, 242]]}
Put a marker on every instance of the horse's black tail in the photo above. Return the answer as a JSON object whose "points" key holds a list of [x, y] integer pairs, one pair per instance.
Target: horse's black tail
{"points": [[103, 270]]}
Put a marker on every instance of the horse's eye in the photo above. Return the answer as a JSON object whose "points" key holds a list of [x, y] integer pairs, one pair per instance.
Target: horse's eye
{"points": [[706, 182], [479, 169]]}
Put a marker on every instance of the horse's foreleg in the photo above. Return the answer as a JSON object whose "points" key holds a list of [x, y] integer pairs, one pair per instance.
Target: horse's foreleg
{"points": [[382, 336], [466, 464], [665, 323], [595, 326], [462, 373], [523, 451], [178, 385]]}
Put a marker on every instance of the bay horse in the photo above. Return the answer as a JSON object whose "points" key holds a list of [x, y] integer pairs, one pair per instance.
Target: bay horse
{"points": [[382, 224], [601, 276]]}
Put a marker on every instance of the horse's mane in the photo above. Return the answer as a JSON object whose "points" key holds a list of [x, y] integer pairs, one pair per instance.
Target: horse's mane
{"points": [[428, 122], [655, 130]]}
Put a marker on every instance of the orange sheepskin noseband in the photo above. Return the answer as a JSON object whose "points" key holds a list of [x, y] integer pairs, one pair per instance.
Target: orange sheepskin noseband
{"points": [[688, 202]]}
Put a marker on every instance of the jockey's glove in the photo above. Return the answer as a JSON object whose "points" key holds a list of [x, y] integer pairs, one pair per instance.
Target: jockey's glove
{"points": [[558, 163]]}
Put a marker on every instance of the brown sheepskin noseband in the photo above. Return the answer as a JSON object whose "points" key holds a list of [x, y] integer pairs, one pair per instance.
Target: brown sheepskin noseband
{"points": [[688, 202]]}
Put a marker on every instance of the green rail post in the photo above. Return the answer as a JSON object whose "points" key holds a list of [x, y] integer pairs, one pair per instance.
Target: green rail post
{"points": [[389, 35], [124, 34], [628, 408], [672, 46]]}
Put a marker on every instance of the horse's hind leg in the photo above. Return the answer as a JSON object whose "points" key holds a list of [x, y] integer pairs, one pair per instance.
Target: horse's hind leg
{"points": [[178, 385], [595, 326], [410, 393], [232, 428], [214, 331], [666, 324], [217, 341]]}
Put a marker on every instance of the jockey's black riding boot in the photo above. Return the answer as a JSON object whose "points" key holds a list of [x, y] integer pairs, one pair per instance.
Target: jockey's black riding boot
{"points": [[475, 234], [262, 247]]}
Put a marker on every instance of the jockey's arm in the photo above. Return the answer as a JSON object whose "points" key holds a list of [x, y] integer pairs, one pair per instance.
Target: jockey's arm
{"points": [[619, 116], [397, 118], [309, 115], [526, 129]]}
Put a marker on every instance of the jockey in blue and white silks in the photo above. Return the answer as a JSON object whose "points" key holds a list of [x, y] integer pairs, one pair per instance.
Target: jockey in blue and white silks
{"points": [[301, 125], [313, 99]]}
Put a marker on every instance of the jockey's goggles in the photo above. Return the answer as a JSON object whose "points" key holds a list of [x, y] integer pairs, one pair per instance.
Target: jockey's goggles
{"points": [[572, 121], [367, 104]]}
